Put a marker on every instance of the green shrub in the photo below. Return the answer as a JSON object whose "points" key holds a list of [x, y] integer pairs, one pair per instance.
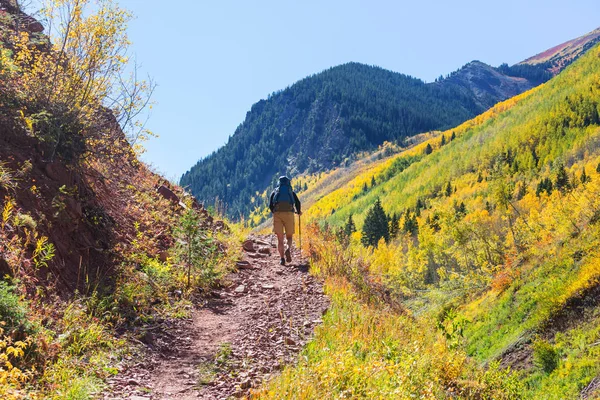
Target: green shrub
{"points": [[545, 356], [12, 310]]}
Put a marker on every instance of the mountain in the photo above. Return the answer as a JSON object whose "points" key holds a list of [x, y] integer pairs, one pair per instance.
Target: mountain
{"points": [[319, 122], [486, 84], [324, 120], [558, 57]]}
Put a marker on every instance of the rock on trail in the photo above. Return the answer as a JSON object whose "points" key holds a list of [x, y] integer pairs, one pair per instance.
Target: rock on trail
{"points": [[244, 334]]}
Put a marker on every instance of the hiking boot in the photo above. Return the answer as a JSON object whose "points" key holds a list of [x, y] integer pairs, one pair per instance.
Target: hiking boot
{"points": [[282, 261], [288, 255]]}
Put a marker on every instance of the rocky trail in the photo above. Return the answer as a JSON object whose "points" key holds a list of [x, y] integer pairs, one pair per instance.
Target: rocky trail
{"points": [[243, 335]]}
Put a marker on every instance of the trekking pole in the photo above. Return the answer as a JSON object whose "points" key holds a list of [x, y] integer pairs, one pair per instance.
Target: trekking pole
{"points": [[300, 232]]}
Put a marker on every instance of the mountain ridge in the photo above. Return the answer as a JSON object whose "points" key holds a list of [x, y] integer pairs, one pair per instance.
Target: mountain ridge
{"points": [[556, 58], [325, 119]]}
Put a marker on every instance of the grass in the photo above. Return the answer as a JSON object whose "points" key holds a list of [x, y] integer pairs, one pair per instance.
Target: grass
{"points": [[366, 352]]}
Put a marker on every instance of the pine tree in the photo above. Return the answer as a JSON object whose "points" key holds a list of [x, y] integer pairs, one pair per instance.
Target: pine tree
{"points": [[460, 210], [428, 149], [448, 191], [453, 136], [562, 179], [365, 188], [584, 177], [394, 226], [545, 185], [373, 181], [350, 227], [375, 226], [540, 188], [410, 225], [194, 249], [434, 221], [443, 141], [420, 204]]}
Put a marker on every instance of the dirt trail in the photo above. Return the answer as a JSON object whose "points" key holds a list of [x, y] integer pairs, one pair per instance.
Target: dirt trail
{"points": [[243, 335]]}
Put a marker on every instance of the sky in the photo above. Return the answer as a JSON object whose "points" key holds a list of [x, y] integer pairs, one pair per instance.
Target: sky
{"points": [[211, 60]]}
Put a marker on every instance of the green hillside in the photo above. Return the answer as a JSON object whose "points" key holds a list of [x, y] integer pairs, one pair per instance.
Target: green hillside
{"points": [[496, 242]]}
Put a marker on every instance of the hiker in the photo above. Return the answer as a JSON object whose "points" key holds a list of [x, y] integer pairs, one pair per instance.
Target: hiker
{"points": [[282, 203]]}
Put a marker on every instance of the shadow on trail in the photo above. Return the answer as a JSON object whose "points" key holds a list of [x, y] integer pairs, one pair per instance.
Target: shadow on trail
{"points": [[219, 306], [303, 267]]}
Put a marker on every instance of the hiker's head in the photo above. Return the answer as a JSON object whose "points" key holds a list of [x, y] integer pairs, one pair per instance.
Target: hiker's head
{"points": [[284, 180]]}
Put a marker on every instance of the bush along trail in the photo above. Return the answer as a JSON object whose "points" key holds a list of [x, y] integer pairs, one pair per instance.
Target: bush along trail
{"points": [[256, 323]]}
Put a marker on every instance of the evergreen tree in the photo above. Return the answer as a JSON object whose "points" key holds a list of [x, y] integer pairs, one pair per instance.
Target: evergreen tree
{"points": [[448, 190], [349, 228], [428, 149], [515, 167], [453, 136], [373, 181], [443, 141], [375, 226], [434, 221], [545, 185], [194, 248], [540, 188], [460, 210], [394, 226], [479, 177], [365, 188], [598, 168], [420, 206], [584, 177], [562, 179], [410, 225]]}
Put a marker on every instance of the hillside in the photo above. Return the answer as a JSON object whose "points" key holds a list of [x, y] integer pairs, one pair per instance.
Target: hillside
{"points": [[91, 240], [324, 120], [558, 57], [492, 246]]}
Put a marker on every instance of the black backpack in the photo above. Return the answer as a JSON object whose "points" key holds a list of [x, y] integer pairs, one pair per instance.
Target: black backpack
{"points": [[283, 197]]}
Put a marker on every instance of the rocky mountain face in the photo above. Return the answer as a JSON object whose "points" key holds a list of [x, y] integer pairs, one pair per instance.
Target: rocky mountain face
{"points": [[487, 84]]}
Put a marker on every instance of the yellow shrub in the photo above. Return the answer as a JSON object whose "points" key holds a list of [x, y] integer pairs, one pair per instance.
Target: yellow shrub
{"points": [[12, 379]]}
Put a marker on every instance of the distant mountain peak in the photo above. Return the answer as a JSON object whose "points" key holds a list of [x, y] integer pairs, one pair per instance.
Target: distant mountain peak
{"points": [[488, 84]]}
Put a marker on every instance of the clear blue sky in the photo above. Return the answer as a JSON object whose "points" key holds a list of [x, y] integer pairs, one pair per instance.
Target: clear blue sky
{"points": [[213, 59]]}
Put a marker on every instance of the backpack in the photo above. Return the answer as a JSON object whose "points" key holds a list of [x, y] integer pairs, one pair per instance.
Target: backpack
{"points": [[283, 198]]}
